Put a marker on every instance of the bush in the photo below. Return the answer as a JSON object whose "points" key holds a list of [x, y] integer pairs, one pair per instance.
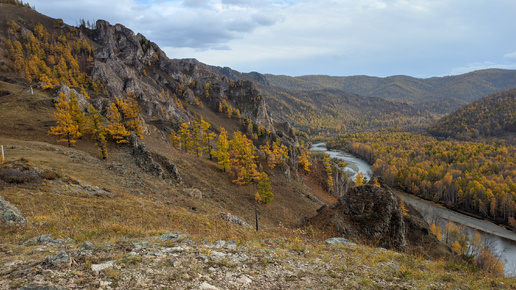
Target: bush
{"points": [[50, 175], [17, 176]]}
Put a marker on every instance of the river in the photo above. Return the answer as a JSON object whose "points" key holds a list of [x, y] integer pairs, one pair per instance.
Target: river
{"points": [[501, 240]]}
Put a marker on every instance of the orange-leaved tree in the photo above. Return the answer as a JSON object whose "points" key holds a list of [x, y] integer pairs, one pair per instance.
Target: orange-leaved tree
{"points": [[222, 151], [66, 127], [302, 159], [242, 154], [116, 128], [264, 194], [97, 129]]}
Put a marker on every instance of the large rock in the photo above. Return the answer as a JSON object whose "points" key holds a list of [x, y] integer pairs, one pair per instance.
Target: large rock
{"points": [[10, 215], [368, 213]]}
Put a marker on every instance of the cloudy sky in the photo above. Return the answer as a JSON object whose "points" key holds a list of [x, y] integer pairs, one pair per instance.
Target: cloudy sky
{"points": [[420, 38]]}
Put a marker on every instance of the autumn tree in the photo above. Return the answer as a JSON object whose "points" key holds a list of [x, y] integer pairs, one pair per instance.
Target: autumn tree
{"points": [[264, 194], [66, 127], [77, 114], [243, 159], [130, 114], [206, 138], [116, 128], [186, 137], [303, 159], [328, 168], [221, 152], [98, 130], [359, 179]]}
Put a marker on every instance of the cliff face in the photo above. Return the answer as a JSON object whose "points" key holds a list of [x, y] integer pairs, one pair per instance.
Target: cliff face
{"points": [[129, 63]]}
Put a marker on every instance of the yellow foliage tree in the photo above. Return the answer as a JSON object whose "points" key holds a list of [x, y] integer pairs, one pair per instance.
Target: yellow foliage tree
{"points": [[115, 126], [77, 114], [242, 154], [436, 231], [264, 194], [359, 179], [222, 151], [130, 114], [302, 159], [66, 127], [403, 209], [98, 130]]}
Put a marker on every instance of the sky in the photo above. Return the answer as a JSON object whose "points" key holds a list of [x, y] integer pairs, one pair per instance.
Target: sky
{"points": [[419, 38]]}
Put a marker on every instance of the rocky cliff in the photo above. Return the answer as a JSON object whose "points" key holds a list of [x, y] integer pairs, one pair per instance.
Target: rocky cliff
{"points": [[127, 63]]}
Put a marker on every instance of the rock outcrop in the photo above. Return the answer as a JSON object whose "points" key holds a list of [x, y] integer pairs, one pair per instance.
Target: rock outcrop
{"points": [[10, 215], [371, 214], [368, 213]]}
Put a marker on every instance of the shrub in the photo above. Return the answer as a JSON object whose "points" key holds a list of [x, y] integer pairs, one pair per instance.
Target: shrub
{"points": [[17, 176]]}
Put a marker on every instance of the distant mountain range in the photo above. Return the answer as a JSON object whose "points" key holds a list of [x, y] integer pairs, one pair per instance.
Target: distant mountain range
{"points": [[455, 91], [357, 103]]}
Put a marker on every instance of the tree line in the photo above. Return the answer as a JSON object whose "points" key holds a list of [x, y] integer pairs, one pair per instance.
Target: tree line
{"points": [[121, 119]]}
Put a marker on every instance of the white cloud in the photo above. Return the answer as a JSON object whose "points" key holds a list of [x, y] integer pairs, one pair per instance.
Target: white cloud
{"points": [[344, 37], [511, 55]]}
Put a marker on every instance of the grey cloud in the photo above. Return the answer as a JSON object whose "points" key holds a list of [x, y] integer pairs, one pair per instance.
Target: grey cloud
{"points": [[196, 3], [239, 2]]}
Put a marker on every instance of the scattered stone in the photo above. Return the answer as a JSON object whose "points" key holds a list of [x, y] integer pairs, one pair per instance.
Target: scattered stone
{"points": [[391, 265], [96, 268], [206, 286], [40, 287], [87, 246], [244, 280], [10, 215], [58, 259], [155, 253], [173, 237], [339, 241], [234, 219]]}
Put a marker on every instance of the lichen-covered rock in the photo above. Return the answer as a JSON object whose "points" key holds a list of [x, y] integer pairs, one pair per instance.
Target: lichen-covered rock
{"points": [[10, 215]]}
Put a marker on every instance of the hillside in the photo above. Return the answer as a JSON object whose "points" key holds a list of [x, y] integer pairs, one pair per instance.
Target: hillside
{"points": [[139, 199], [324, 111], [491, 116], [439, 95]]}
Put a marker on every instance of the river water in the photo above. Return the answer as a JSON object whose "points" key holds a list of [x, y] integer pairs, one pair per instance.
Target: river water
{"points": [[354, 164], [501, 240]]}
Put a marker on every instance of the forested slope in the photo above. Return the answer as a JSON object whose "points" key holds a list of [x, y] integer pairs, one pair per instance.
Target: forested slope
{"points": [[430, 93], [494, 115]]}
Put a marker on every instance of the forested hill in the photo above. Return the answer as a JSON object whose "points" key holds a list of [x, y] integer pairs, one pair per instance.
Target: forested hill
{"points": [[438, 94], [322, 111], [493, 115]]}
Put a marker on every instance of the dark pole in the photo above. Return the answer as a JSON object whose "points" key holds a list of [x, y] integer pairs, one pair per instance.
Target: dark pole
{"points": [[256, 213]]}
